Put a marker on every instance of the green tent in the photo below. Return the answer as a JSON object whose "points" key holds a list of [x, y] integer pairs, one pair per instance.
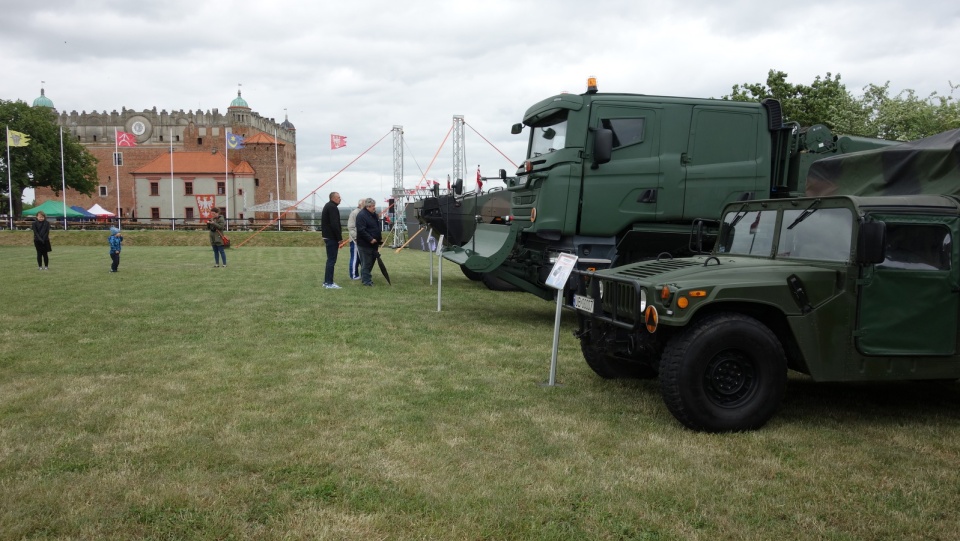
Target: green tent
{"points": [[53, 209]]}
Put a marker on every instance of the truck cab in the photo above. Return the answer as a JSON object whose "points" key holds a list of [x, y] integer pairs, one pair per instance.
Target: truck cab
{"points": [[841, 288]]}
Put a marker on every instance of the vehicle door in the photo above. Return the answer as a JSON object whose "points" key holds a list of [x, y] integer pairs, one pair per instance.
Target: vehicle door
{"points": [[909, 303], [624, 190], [722, 163]]}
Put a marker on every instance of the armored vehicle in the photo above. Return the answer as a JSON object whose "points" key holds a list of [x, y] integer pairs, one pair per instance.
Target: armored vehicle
{"points": [[842, 288]]}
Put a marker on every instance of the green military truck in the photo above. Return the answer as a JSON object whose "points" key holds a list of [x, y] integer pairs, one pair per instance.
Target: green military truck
{"points": [[617, 178], [842, 288]]}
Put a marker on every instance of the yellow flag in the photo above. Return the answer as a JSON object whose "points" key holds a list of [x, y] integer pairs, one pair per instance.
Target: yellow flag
{"points": [[17, 139]]}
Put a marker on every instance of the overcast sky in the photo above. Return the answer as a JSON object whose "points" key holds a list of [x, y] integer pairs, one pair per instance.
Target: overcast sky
{"points": [[357, 68]]}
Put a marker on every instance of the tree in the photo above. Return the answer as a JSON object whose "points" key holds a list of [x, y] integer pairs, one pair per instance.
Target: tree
{"points": [[827, 101], [876, 113], [38, 164]]}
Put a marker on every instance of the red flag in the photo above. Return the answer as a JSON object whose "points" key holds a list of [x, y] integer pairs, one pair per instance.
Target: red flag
{"points": [[125, 139], [479, 182], [337, 141], [205, 203], [753, 226]]}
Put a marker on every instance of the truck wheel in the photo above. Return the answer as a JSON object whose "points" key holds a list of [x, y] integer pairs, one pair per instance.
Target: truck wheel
{"points": [[725, 373], [475, 276], [608, 367]]}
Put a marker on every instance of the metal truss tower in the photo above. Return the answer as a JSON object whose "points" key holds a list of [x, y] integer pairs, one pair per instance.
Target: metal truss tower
{"points": [[399, 194], [459, 148]]}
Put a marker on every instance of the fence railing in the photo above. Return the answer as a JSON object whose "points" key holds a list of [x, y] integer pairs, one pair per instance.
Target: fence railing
{"points": [[170, 224]]}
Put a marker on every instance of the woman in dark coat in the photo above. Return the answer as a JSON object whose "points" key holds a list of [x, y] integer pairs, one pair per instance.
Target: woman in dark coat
{"points": [[217, 225], [41, 240]]}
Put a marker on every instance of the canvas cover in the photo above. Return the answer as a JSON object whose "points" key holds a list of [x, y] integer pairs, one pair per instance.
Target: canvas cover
{"points": [[53, 209], [924, 166]]}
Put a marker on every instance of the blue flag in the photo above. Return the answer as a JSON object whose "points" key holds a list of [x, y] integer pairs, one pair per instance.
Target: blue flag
{"points": [[234, 141]]}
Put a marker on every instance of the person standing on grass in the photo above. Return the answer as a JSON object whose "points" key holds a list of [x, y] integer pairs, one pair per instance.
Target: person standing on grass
{"points": [[41, 240], [116, 240], [352, 232], [368, 239], [332, 231], [216, 225]]}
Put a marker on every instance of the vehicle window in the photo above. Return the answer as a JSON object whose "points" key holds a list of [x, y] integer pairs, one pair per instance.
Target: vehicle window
{"points": [[823, 234], [548, 135], [748, 233], [918, 247], [626, 131]]}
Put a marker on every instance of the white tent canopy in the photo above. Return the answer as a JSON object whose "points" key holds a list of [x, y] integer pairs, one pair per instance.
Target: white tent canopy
{"points": [[99, 211]]}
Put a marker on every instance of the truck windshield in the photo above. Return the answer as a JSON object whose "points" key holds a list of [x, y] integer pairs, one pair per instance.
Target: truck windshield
{"points": [[748, 233], [549, 135], [824, 235]]}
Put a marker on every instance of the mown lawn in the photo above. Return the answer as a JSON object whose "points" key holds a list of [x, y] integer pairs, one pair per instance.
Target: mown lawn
{"points": [[176, 401]]}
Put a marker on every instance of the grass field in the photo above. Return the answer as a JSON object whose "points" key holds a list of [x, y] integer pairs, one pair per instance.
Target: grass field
{"points": [[176, 401]]}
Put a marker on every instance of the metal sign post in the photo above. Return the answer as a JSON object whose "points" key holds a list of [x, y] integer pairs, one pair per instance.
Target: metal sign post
{"points": [[558, 278], [439, 269]]}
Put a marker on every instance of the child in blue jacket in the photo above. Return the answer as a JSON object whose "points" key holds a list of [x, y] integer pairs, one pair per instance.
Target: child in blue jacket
{"points": [[115, 239]]}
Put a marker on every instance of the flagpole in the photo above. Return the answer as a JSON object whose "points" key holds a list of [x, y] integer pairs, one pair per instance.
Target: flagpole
{"points": [[9, 181], [63, 177], [116, 163], [276, 159], [173, 212], [226, 175]]}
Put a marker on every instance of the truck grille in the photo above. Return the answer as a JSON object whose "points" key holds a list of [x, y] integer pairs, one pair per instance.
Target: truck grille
{"points": [[620, 300]]}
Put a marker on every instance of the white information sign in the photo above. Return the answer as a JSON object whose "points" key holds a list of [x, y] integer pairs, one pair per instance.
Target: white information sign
{"points": [[561, 270]]}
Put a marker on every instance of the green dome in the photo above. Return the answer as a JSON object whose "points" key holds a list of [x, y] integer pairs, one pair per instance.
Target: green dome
{"points": [[239, 102], [43, 101]]}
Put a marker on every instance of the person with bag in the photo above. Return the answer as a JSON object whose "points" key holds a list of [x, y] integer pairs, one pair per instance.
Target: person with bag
{"points": [[41, 240], [216, 225], [368, 239]]}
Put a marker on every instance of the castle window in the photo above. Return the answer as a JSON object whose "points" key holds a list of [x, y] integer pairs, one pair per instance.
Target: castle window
{"points": [[161, 138], [256, 182], [240, 191], [221, 188], [154, 188], [154, 213], [187, 188], [103, 191], [188, 213], [200, 141]]}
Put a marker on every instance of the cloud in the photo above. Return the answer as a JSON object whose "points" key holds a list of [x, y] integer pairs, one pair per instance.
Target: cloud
{"points": [[359, 68]]}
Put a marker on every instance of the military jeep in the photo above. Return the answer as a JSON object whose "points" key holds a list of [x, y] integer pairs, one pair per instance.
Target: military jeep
{"points": [[840, 288]]}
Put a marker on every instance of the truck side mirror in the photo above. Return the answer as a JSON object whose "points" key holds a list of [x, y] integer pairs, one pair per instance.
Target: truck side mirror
{"points": [[458, 186], [872, 243], [436, 190], [602, 146], [516, 128], [503, 175]]}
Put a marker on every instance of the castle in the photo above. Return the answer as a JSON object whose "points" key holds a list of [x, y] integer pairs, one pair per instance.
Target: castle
{"points": [[145, 182]]}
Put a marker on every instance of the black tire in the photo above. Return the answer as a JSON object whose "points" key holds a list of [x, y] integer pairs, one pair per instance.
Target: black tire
{"points": [[475, 276], [496, 284], [727, 372]]}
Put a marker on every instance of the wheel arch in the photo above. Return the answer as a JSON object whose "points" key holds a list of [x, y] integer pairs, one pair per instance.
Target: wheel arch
{"points": [[771, 317]]}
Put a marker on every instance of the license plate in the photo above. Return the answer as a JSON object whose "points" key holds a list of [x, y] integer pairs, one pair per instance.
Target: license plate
{"points": [[583, 303]]}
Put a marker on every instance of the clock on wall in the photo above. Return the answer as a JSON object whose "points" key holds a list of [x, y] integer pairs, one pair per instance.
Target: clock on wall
{"points": [[140, 127]]}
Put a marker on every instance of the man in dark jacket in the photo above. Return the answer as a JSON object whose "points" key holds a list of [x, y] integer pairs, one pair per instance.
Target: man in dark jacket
{"points": [[332, 232], [368, 239]]}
